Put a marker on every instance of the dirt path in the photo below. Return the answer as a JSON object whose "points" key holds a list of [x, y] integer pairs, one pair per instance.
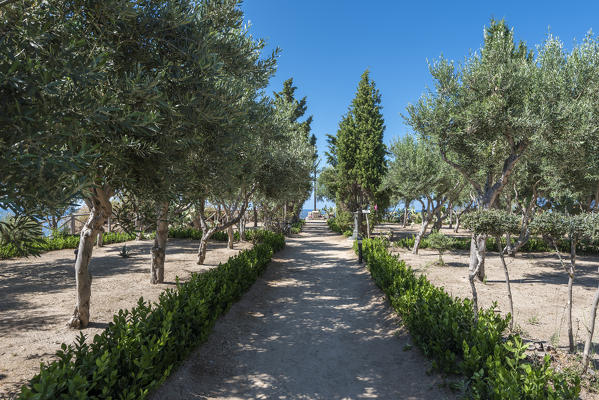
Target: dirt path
{"points": [[314, 326], [37, 296]]}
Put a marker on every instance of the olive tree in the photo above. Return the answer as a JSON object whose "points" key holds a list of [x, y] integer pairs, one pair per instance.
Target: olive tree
{"points": [[483, 116], [555, 226], [494, 223], [416, 171]]}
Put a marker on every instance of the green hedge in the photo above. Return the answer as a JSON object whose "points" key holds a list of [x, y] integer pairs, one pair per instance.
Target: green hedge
{"points": [[534, 244], [296, 227], [443, 327], [139, 349], [59, 242], [196, 234], [334, 226]]}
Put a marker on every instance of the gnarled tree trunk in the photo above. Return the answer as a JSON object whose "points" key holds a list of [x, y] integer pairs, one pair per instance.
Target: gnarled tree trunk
{"points": [[478, 251], [231, 237], [159, 248], [507, 279], [99, 210], [591, 330], [242, 229]]}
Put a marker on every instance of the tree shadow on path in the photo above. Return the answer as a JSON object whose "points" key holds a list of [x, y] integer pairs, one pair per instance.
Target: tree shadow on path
{"points": [[313, 327]]}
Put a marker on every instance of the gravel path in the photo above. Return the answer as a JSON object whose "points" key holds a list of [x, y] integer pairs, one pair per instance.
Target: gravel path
{"points": [[314, 326]]}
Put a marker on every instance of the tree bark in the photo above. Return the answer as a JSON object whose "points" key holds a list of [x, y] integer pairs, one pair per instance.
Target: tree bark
{"points": [[471, 275], [405, 215], [203, 248], [231, 237], [100, 240], [242, 229], [419, 236], [478, 250], [570, 270], [570, 287], [159, 248], [100, 209], [507, 280], [591, 330], [255, 217]]}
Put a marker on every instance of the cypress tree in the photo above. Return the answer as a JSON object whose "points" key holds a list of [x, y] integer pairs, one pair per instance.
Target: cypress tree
{"points": [[360, 149]]}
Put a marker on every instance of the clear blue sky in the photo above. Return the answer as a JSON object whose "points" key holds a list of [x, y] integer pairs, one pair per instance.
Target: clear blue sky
{"points": [[327, 44]]}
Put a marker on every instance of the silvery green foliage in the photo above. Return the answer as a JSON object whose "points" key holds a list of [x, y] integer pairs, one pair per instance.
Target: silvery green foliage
{"points": [[556, 226], [484, 114], [416, 170], [491, 222]]}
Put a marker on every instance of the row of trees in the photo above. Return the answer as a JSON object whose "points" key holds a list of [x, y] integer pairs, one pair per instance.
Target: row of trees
{"points": [[514, 130], [160, 104], [511, 131]]}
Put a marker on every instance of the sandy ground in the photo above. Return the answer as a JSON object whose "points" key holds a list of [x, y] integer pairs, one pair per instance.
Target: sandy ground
{"points": [[539, 288], [314, 326], [37, 297]]}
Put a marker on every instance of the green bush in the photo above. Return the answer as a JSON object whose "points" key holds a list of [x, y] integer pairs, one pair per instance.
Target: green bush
{"points": [[444, 328], [334, 226], [60, 241], [534, 244], [196, 234], [441, 243], [297, 227], [139, 349]]}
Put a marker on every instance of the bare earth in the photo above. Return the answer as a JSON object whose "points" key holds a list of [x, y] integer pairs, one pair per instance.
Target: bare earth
{"points": [[539, 289], [37, 297], [314, 326]]}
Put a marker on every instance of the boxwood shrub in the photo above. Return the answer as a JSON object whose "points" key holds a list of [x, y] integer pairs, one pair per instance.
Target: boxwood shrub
{"points": [[139, 349], [443, 327]]}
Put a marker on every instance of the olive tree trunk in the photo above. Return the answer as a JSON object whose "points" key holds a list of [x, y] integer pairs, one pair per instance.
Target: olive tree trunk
{"points": [[478, 251], [159, 248], [405, 215], [231, 237], [203, 248], [507, 280], [428, 214], [570, 270], [99, 210], [472, 273], [242, 237], [591, 329]]}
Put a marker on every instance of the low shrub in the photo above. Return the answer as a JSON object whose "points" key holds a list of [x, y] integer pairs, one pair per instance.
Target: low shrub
{"points": [[533, 245], [60, 241], [297, 227], [444, 328], [334, 226], [196, 234], [139, 349]]}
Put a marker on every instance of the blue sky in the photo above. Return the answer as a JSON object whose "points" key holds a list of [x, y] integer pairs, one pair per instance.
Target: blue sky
{"points": [[327, 44]]}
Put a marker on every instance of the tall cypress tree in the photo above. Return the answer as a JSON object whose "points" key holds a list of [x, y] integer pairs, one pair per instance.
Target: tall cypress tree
{"points": [[360, 149]]}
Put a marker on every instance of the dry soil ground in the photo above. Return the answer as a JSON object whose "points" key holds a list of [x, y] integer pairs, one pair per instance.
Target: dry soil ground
{"points": [[37, 296], [314, 326]]}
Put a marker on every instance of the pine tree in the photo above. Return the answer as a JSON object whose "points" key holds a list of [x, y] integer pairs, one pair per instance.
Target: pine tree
{"points": [[360, 149]]}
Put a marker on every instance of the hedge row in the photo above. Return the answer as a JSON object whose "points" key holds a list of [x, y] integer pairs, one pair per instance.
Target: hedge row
{"points": [[297, 227], [444, 328], [335, 227], [59, 242], [534, 244], [139, 349], [196, 234]]}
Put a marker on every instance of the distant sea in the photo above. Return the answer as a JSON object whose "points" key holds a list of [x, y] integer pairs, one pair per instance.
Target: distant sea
{"points": [[304, 213]]}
